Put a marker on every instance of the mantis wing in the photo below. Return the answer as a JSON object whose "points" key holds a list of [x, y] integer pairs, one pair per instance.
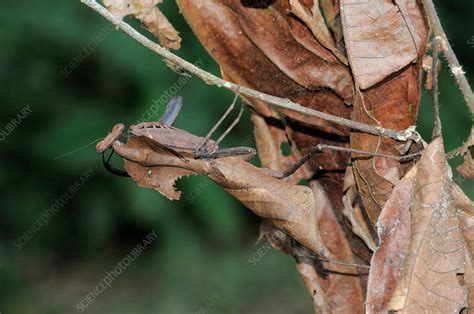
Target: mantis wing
{"points": [[156, 146], [172, 110]]}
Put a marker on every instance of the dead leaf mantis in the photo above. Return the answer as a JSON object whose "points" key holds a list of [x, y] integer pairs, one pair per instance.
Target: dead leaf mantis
{"points": [[157, 154], [164, 135]]}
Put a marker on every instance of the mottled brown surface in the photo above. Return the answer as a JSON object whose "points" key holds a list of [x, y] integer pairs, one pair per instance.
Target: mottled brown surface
{"points": [[392, 103], [380, 38], [437, 251], [364, 64], [150, 16], [466, 222], [394, 227], [240, 40], [343, 285]]}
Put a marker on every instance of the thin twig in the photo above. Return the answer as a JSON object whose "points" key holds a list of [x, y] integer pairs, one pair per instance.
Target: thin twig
{"points": [[276, 102], [434, 73], [453, 61]]}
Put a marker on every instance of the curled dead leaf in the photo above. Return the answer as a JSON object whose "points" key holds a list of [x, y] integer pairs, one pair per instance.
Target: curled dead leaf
{"points": [[289, 207], [315, 21], [467, 167], [313, 285], [151, 17], [354, 211], [376, 176], [161, 179], [292, 208], [437, 250], [343, 284], [394, 229], [257, 48], [465, 209], [393, 102], [330, 10], [380, 38]]}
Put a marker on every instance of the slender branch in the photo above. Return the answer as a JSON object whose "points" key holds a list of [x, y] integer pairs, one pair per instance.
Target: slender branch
{"points": [[276, 102], [434, 73], [453, 61]]}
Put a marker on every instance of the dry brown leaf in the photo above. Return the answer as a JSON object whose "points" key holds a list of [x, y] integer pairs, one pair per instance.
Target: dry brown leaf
{"points": [[161, 179], [436, 253], [392, 103], [467, 167], [394, 229], [280, 47], [315, 21], [151, 17], [354, 212], [123, 8], [268, 143], [343, 284], [257, 48], [305, 266], [312, 283], [245, 47], [330, 10], [157, 23], [465, 209], [289, 207], [379, 38], [469, 284]]}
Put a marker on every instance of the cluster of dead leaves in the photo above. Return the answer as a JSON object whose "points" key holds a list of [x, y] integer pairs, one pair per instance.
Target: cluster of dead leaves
{"points": [[356, 59]]}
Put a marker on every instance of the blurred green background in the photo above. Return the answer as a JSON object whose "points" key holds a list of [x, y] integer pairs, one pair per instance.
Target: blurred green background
{"points": [[199, 262]]}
